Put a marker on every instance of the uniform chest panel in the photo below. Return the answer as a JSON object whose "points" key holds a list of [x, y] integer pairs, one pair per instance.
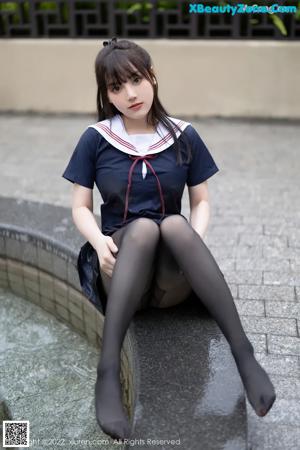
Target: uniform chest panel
{"points": [[113, 167]]}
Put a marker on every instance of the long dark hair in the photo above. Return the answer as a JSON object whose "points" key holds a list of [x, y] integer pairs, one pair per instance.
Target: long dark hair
{"points": [[113, 65]]}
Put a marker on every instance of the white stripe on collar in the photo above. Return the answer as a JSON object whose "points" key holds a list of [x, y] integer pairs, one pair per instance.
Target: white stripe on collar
{"points": [[113, 130]]}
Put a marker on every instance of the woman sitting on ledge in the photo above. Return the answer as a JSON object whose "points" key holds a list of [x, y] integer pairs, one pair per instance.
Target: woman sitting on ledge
{"points": [[148, 253]]}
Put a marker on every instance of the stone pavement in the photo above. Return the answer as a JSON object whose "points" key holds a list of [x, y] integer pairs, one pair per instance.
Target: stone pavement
{"points": [[253, 232]]}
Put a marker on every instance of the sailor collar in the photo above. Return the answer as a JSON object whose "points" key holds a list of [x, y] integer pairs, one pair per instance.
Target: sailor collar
{"points": [[114, 131]]}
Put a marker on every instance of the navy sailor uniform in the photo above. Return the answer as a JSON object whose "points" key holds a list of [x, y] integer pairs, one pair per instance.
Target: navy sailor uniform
{"points": [[133, 182]]}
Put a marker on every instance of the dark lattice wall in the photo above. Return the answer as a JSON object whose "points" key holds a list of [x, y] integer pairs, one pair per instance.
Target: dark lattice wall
{"points": [[145, 19]]}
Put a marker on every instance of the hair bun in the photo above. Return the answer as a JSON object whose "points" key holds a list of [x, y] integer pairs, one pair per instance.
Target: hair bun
{"points": [[110, 42]]}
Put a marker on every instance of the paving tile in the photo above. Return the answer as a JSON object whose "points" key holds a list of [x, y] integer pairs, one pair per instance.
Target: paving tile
{"points": [[243, 276], [269, 325], [282, 309], [279, 278], [288, 252], [280, 365], [284, 293], [220, 241], [286, 387], [263, 264], [266, 436], [229, 230], [250, 307], [260, 239], [284, 345], [280, 229], [283, 412], [237, 252]]}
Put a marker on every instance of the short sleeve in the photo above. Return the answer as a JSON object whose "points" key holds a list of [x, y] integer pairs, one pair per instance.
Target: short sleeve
{"points": [[82, 165], [202, 165]]}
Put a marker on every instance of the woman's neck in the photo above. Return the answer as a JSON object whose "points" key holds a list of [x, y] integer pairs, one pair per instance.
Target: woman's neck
{"points": [[138, 126]]}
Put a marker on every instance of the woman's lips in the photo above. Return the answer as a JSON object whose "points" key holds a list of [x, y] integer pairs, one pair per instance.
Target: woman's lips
{"points": [[136, 106]]}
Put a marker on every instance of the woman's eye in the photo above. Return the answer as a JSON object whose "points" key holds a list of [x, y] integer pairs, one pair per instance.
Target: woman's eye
{"points": [[115, 88], [137, 79]]}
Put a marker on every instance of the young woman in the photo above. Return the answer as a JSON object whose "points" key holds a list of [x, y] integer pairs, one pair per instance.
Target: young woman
{"points": [[147, 252]]}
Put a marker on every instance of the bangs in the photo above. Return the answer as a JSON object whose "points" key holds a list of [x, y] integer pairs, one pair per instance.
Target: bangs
{"points": [[119, 67]]}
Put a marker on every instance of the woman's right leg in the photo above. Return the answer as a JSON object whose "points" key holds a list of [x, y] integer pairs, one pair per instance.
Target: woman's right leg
{"points": [[137, 247]]}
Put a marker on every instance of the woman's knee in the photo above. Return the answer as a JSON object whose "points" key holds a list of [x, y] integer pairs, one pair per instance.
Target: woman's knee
{"points": [[175, 219], [176, 229], [175, 224], [142, 231]]}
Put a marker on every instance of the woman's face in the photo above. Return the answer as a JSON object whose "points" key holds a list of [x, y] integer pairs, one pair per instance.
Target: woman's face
{"points": [[136, 89]]}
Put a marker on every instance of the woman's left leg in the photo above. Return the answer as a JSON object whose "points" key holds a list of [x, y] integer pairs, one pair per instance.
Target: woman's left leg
{"points": [[207, 281]]}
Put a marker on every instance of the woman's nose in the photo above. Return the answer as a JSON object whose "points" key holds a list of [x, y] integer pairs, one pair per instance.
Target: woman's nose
{"points": [[130, 92]]}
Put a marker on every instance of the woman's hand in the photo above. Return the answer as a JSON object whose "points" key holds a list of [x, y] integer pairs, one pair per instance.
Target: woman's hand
{"points": [[104, 251]]}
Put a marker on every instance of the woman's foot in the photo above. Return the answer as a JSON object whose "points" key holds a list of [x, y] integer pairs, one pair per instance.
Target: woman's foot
{"points": [[259, 388], [110, 414]]}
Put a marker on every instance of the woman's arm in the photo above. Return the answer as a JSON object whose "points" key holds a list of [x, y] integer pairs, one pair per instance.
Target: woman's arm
{"points": [[83, 217], [199, 207]]}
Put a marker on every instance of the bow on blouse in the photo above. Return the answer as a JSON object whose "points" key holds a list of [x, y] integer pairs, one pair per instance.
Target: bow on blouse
{"points": [[136, 160]]}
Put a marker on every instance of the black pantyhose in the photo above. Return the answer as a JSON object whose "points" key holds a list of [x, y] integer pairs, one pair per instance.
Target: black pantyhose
{"points": [[137, 245], [207, 281]]}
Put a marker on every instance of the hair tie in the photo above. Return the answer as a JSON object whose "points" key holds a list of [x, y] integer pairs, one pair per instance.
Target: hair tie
{"points": [[110, 42]]}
